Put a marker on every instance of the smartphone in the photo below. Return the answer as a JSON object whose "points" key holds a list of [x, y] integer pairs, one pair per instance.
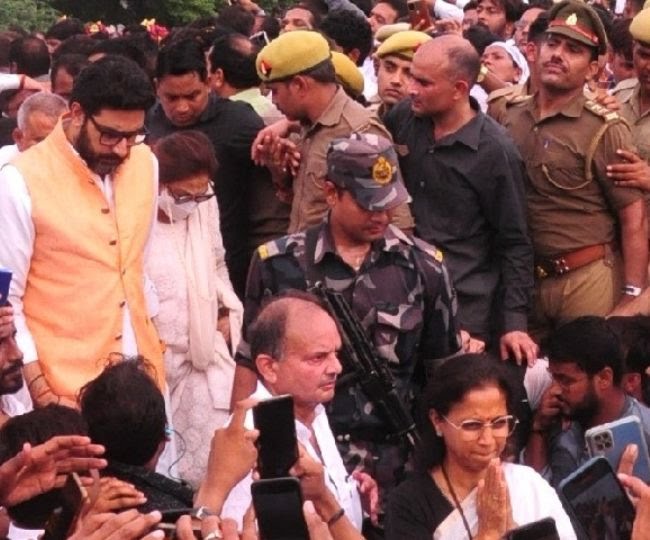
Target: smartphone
{"points": [[278, 508], [609, 440], [277, 447], [419, 15], [544, 529], [62, 521], [5, 281], [597, 502]]}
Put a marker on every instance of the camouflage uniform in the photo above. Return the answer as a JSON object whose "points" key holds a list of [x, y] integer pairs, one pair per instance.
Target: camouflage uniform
{"points": [[403, 297]]}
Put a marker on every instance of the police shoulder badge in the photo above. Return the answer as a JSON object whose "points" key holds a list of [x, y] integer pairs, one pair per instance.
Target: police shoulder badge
{"points": [[382, 171], [572, 20], [265, 68]]}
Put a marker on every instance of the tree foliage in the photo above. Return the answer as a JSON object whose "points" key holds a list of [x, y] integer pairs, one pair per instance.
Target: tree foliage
{"points": [[28, 14]]}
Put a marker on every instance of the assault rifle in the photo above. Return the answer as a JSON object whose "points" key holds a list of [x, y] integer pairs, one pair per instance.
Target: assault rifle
{"points": [[362, 364]]}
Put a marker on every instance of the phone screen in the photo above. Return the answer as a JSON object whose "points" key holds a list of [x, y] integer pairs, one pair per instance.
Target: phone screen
{"points": [[277, 446], [278, 508], [5, 281], [598, 501]]}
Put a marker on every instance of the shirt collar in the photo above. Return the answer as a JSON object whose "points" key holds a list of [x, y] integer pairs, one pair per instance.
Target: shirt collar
{"points": [[469, 134], [394, 241], [573, 109], [331, 116]]}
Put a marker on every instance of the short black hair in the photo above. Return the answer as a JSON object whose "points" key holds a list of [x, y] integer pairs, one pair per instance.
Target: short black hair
{"points": [[513, 8], [480, 37], [236, 18], [77, 44], [125, 412], [634, 335], [235, 56], [37, 427], [73, 64], [542, 4], [350, 31], [30, 55], [472, 4], [538, 27], [114, 82], [64, 29], [122, 46], [620, 38], [590, 343], [182, 57]]}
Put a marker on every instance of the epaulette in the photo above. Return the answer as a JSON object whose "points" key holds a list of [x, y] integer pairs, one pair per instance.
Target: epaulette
{"points": [[518, 100], [508, 92], [429, 249], [279, 247], [602, 112]]}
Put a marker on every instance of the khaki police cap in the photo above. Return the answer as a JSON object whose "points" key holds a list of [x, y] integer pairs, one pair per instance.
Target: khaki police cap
{"points": [[383, 33], [291, 53], [366, 165], [640, 26], [577, 20], [403, 44], [347, 73]]}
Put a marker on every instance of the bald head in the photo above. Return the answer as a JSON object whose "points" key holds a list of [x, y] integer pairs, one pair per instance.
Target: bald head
{"points": [[280, 320], [455, 54]]}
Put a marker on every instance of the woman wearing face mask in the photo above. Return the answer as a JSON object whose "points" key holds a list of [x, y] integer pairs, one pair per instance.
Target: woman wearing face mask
{"points": [[199, 316]]}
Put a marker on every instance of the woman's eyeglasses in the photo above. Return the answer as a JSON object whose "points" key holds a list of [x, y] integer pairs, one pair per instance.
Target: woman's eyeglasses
{"points": [[502, 426], [180, 199]]}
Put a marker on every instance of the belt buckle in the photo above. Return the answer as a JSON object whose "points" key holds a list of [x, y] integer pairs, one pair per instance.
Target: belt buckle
{"points": [[540, 272], [560, 266]]}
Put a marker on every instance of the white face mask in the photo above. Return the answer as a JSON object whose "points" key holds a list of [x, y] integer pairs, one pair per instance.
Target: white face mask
{"points": [[175, 211]]}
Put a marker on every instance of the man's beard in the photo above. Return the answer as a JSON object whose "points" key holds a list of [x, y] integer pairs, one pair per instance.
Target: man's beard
{"points": [[101, 164], [11, 379], [584, 411]]}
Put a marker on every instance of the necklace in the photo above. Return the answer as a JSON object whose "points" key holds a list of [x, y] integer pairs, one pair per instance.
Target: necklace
{"points": [[456, 502]]}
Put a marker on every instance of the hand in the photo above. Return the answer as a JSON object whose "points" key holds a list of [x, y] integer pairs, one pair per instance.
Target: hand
{"points": [[232, 456], [628, 459], [6, 321], [492, 503], [549, 409], [640, 495], [311, 475], [223, 327], [369, 491], [471, 345], [115, 495], [634, 306], [281, 128], [606, 100], [449, 26], [520, 345], [129, 525], [634, 173], [35, 470], [318, 529]]}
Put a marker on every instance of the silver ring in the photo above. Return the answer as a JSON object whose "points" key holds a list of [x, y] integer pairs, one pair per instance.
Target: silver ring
{"points": [[214, 535]]}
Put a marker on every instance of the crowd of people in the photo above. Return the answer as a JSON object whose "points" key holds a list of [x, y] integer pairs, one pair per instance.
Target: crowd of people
{"points": [[176, 206]]}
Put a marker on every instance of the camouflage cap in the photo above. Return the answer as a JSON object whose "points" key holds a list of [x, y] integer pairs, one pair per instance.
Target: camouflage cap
{"points": [[366, 165], [579, 21], [347, 73], [291, 53], [640, 26], [403, 44]]}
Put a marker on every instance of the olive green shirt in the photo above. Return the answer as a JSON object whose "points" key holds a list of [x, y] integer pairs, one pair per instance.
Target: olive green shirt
{"points": [[565, 211]]}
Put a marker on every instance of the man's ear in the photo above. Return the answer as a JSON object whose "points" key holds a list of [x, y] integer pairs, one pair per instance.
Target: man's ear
{"points": [[631, 383], [604, 379], [267, 368], [436, 421], [216, 78], [329, 189], [17, 136], [77, 114]]}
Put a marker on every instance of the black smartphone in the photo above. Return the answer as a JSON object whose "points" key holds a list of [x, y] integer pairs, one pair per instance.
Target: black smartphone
{"points": [[62, 521], [5, 281], [597, 502], [543, 529], [277, 448], [278, 508]]}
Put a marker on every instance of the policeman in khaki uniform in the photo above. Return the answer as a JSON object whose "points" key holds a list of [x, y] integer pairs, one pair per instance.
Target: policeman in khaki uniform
{"points": [[397, 286], [297, 67], [589, 235]]}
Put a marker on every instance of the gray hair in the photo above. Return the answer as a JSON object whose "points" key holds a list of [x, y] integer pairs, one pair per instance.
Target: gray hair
{"points": [[51, 105]]}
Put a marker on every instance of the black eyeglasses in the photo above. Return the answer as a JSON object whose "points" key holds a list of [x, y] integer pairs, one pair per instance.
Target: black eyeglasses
{"points": [[113, 137], [180, 199]]}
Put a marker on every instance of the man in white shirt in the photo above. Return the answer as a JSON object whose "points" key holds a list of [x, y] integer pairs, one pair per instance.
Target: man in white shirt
{"points": [[295, 342], [36, 118]]}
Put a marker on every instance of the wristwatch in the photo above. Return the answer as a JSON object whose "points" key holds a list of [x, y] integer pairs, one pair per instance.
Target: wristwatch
{"points": [[631, 290]]}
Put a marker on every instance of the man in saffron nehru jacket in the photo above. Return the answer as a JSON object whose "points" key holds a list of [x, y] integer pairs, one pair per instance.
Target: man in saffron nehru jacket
{"points": [[76, 212]]}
